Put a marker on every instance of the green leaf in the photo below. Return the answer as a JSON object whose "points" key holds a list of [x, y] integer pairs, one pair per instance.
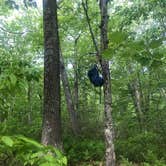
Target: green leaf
{"points": [[117, 37], [155, 43], [2, 86], [23, 85], [13, 79], [136, 45], [162, 84], [7, 140], [108, 53], [47, 164], [31, 142], [64, 160], [49, 158], [36, 155], [58, 153]]}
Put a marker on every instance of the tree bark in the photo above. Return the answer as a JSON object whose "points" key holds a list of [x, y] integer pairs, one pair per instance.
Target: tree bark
{"points": [[108, 131], [76, 90], [110, 152], [51, 132], [69, 101], [136, 96], [29, 95]]}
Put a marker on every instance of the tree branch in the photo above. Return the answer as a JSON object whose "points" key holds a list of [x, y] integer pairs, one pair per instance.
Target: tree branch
{"points": [[16, 33], [85, 7]]}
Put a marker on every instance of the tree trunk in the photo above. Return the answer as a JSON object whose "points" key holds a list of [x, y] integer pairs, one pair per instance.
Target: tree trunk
{"points": [[51, 132], [29, 95], [69, 101], [110, 153], [108, 131], [76, 96], [136, 96]]}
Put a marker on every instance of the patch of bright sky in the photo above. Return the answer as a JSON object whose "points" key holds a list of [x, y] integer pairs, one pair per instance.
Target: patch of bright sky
{"points": [[39, 3], [69, 66], [19, 13], [117, 3]]}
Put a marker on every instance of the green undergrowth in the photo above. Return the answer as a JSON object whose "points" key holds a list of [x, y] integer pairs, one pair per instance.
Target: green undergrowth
{"points": [[22, 151]]}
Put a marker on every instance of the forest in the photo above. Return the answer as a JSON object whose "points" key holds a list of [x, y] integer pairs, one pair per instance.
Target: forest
{"points": [[82, 83]]}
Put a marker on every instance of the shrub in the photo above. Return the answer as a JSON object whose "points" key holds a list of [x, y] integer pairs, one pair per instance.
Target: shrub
{"points": [[82, 150], [136, 148], [22, 151]]}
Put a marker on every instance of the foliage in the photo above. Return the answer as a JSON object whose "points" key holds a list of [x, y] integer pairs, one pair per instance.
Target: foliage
{"points": [[137, 55], [82, 150], [138, 146], [19, 150]]}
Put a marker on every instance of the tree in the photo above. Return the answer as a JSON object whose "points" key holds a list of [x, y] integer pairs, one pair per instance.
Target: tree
{"points": [[51, 132], [108, 131], [69, 99], [110, 153]]}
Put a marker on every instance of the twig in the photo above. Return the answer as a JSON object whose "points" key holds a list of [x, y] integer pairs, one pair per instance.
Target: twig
{"points": [[85, 7], [16, 33]]}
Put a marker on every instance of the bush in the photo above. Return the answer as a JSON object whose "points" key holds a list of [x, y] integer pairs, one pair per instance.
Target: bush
{"points": [[22, 151], [137, 148], [82, 150]]}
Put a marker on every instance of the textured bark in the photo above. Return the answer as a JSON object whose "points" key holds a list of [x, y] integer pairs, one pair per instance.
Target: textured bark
{"points": [[51, 133], [69, 101], [110, 153], [76, 90], [85, 7], [29, 95], [136, 96]]}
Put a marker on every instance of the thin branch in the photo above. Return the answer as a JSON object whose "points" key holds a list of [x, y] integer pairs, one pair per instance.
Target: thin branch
{"points": [[85, 7], [16, 33], [76, 39]]}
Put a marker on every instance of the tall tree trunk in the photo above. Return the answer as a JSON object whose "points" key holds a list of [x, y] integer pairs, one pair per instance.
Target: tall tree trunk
{"points": [[51, 132], [76, 96], [76, 90], [110, 152], [136, 96], [29, 95], [69, 101], [108, 131]]}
